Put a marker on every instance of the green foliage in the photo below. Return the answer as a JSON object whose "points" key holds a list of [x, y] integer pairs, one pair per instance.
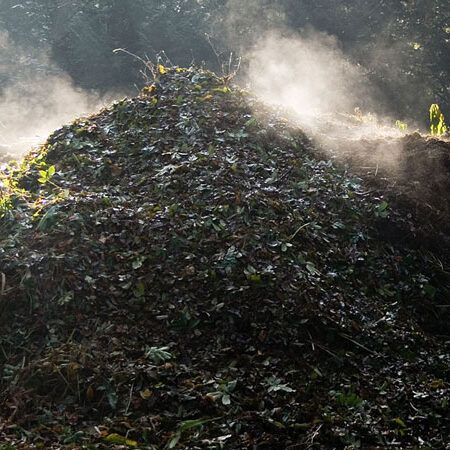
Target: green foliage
{"points": [[402, 126], [275, 384], [186, 321], [46, 175], [158, 355], [48, 219], [437, 121], [223, 391], [349, 399], [10, 191], [186, 426], [400, 426], [5, 203], [382, 210]]}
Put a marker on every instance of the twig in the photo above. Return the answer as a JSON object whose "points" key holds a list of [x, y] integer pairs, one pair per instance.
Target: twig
{"points": [[285, 174], [228, 73], [69, 387], [213, 48], [358, 344], [147, 64], [310, 440], [331, 353], [312, 342], [298, 230], [129, 399], [3, 285]]}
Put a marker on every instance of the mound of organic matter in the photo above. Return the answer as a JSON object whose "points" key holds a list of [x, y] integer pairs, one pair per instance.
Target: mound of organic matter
{"points": [[413, 171], [177, 271]]}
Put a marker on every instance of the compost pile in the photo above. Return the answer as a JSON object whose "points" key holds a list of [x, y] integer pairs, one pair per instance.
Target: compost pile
{"points": [[412, 171], [184, 270]]}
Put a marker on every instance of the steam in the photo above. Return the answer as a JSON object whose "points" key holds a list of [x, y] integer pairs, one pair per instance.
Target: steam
{"points": [[312, 78], [326, 95], [38, 98], [308, 75], [31, 110]]}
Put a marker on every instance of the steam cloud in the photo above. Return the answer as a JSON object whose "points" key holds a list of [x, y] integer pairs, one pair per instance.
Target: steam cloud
{"points": [[312, 78], [326, 94], [36, 101], [307, 75]]}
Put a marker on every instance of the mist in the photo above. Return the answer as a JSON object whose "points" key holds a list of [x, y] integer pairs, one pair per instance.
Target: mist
{"points": [[31, 110], [308, 75], [37, 98], [312, 78], [326, 94]]}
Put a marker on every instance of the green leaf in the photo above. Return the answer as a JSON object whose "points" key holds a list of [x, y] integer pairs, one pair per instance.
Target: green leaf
{"points": [[430, 290], [66, 298], [174, 441], [112, 399], [311, 268], [138, 262], [254, 278], [275, 384], [349, 399], [251, 122], [382, 206], [158, 354], [48, 219], [189, 424], [222, 90], [382, 210], [139, 290], [399, 422]]}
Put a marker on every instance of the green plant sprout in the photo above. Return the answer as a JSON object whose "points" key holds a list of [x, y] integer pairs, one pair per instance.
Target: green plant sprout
{"points": [[437, 121], [46, 175], [402, 126]]}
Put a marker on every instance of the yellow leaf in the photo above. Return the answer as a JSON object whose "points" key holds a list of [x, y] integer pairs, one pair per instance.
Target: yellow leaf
{"points": [[146, 394], [437, 384], [149, 90], [115, 438], [222, 90], [72, 370], [161, 69]]}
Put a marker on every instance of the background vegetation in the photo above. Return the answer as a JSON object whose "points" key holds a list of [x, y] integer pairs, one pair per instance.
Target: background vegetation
{"points": [[403, 46]]}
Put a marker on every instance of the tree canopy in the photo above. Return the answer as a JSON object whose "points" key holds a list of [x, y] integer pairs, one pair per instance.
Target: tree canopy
{"points": [[403, 46]]}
